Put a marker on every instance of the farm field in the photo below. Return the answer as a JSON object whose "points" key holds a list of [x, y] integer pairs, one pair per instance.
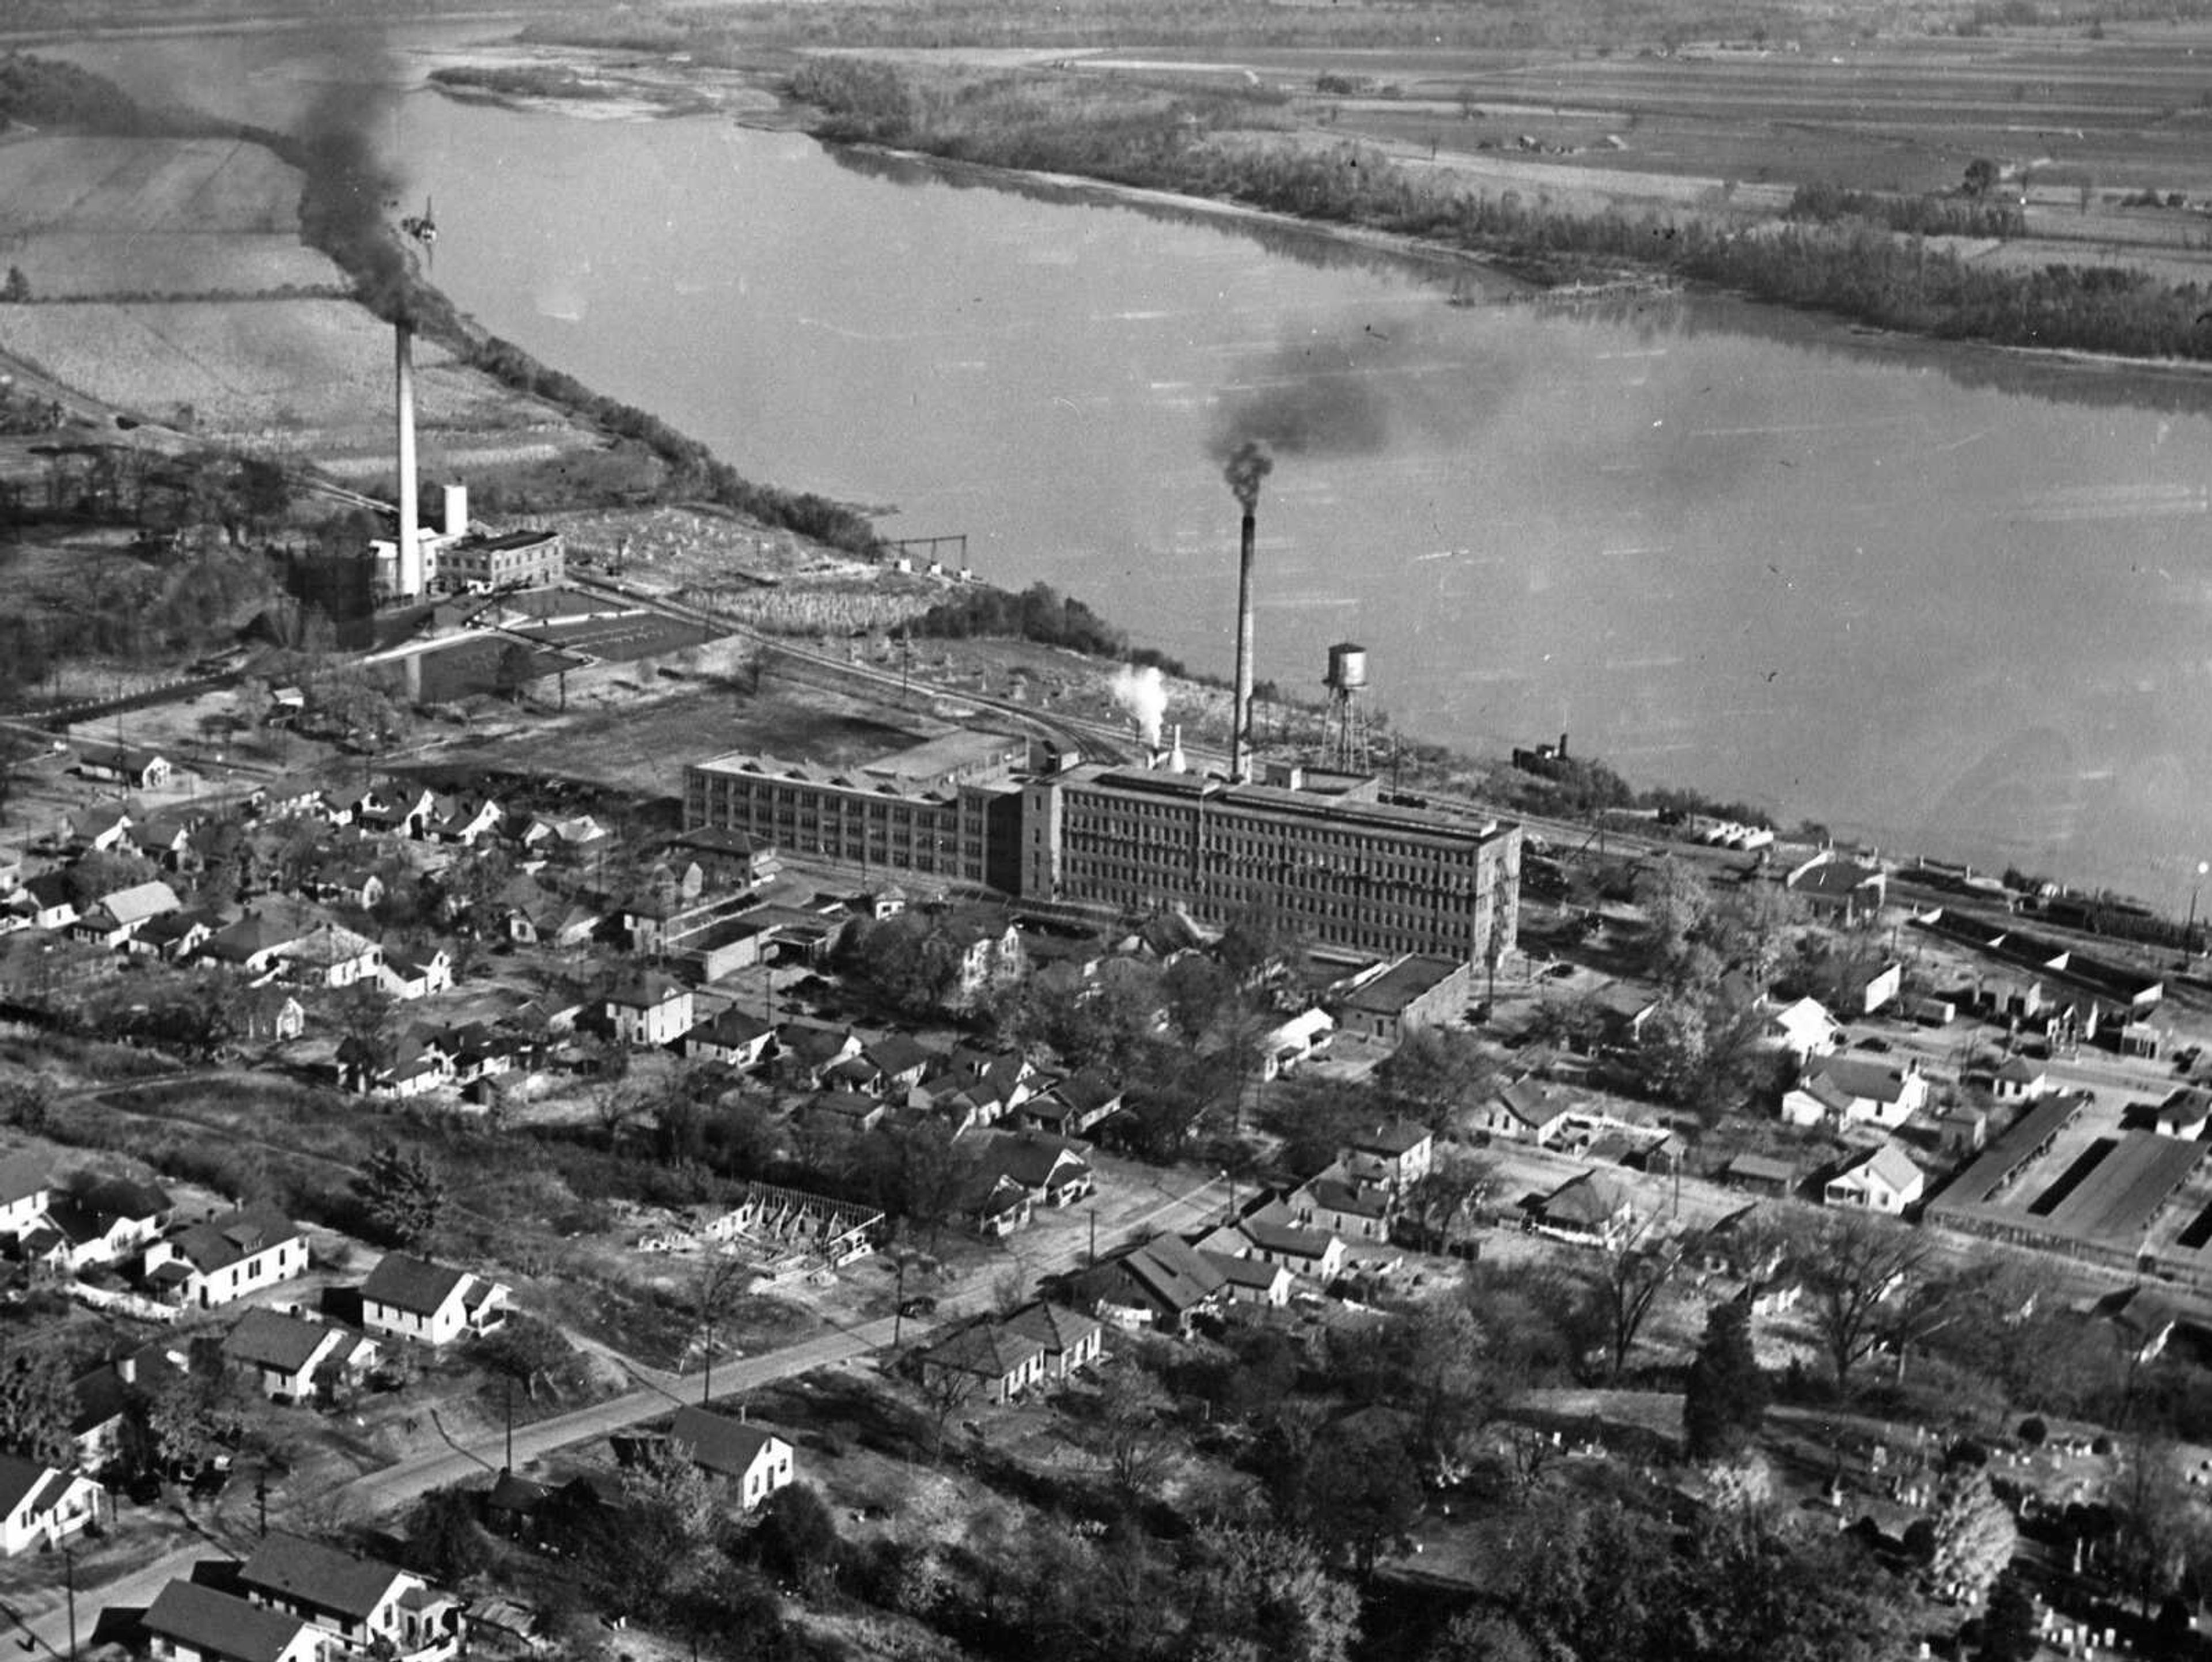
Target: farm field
{"points": [[145, 217], [2080, 124]]}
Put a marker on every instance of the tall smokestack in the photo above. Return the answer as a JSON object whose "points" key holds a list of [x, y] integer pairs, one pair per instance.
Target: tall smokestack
{"points": [[409, 574], [1248, 464], [1240, 732]]}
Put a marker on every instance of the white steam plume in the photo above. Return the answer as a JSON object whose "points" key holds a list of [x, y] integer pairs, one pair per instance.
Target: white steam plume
{"points": [[1145, 695]]}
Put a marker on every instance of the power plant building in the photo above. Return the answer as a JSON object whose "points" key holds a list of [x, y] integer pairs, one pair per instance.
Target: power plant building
{"points": [[1359, 875], [524, 559]]}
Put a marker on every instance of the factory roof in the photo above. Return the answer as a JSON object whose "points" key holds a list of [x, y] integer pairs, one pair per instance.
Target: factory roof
{"points": [[506, 539], [1401, 985]]}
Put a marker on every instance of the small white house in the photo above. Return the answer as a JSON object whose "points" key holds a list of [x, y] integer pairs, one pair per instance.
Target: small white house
{"points": [[752, 1457], [411, 1298], [1883, 1180], [1850, 1089], [40, 1506], [205, 1265], [1804, 1029]]}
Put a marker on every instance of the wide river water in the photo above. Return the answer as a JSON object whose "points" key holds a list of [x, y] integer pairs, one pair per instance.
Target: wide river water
{"points": [[1948, 599]]}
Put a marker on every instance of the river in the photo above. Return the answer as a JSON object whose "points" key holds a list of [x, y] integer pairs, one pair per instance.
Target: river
{"points": [[1948, 601]]}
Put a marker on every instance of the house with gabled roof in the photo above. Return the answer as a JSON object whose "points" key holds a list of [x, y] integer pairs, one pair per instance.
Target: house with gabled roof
{"points": [[115, 917], [1332, 1201], [1803, 1028], [25, 1185], [40, 1506], [410, 1297], [998, 1366], [646, 1007], [206, 1264], [1400, 1153], [132, 766], [188, 1621], [409, 974], [1279, 1240], [1835, 890], [899, 1062], [363, 1604], [331, 956], [254, 944], [1050, 1171], [165, 838], [97, 1220], [1068, 1340], [732, 1036], [995, 1204], [1526, 1110], [101, 1398], [811, 1050], [47, 900], [293, 1359], [1163, 1283], [99, 828], [1856, 1090], [1590, 1209], [1076, 1104], [750, 1456], [174, 936], [1883, 1179], [1250, 1279]]}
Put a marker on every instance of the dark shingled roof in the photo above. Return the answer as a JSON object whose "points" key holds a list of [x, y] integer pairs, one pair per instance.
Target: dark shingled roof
{"points": [[269, 1338], [304, 1572], [23, 1174], [415, 1285], [233, 1238], [217, 1624], [717, 1442]]}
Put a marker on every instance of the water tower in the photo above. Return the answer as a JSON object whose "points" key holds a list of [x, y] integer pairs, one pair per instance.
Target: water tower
{"points": [[1344, 738]]}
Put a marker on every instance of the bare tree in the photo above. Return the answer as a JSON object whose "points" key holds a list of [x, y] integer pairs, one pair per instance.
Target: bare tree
{"points": [[1853, 1264], [1636, 1269], [717, 1284]]}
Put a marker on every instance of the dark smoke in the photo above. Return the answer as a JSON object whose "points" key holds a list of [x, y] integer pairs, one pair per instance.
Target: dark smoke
{"points": [[1357, 393], [351, 201], [1305, 401], [1248, 465]]}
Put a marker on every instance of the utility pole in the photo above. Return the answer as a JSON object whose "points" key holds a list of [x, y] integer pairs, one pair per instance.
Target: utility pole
{"points": [[69, 1572], [509, 1466]]}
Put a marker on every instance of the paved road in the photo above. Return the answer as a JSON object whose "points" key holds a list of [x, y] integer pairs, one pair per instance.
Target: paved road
{"points": [[44, 1621]]}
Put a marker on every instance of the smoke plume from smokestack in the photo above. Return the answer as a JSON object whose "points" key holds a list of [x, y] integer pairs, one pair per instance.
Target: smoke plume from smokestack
{"points": [[349, 205], [1246, 465], [1143, 694]]}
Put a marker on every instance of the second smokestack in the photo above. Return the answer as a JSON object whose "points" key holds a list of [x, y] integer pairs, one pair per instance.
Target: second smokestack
{"points": [[408, 573], [1240, 731]]}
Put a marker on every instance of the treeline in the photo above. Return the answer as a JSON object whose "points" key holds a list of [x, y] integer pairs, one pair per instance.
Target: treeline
{"points": [[1913, 215], [1040, 613], [1849, 268], [45, 93], [730, 38], [519, 81]]}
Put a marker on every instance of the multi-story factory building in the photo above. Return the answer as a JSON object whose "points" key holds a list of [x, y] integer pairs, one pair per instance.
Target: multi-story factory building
{"points": [[928, 809], [1360, 875], [1356, 874]]}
